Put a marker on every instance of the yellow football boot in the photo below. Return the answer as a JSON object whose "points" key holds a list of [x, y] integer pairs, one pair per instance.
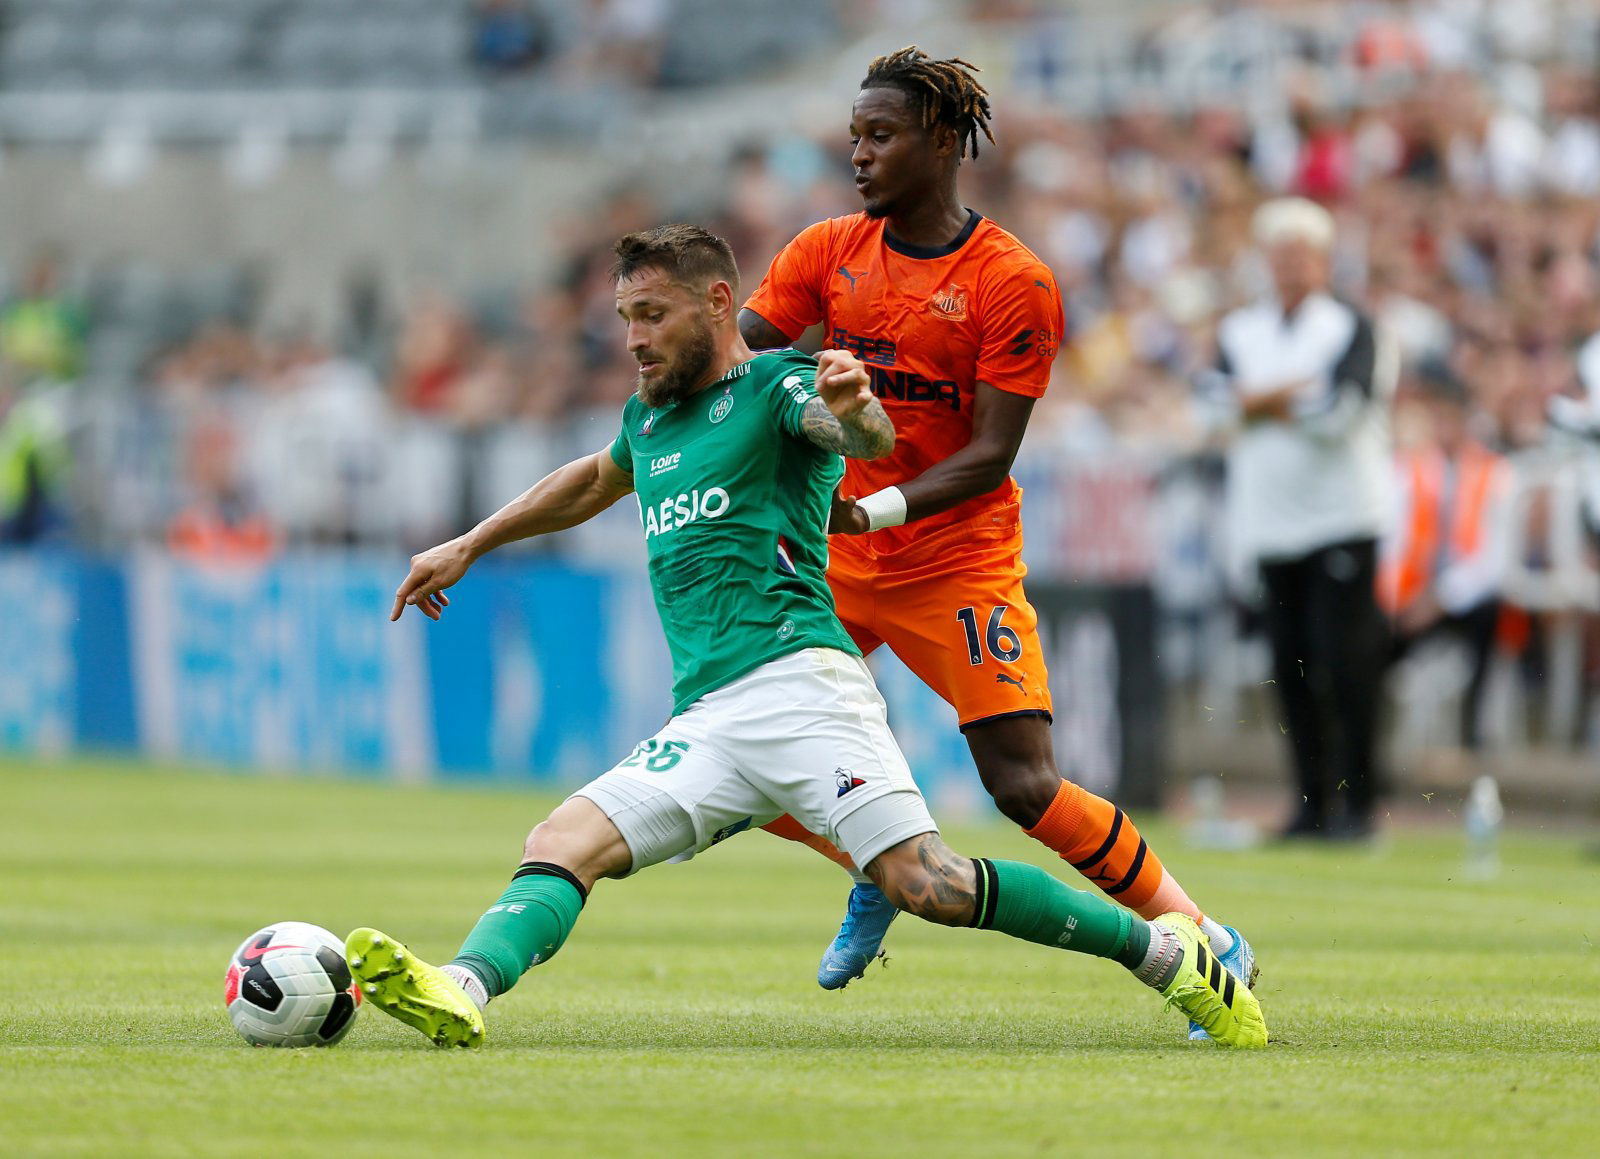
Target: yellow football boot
{"points": [[398, 982]]}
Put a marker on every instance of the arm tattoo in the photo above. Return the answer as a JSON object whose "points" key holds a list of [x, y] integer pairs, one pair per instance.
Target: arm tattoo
{"points": [[759, 333], [867, 434], [943, 890]]}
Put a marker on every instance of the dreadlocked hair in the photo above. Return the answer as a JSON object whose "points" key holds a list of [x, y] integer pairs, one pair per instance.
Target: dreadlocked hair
{"points": [[946, 91]]}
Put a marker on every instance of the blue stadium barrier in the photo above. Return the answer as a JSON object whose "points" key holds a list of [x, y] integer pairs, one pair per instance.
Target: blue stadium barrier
{"points": [[540, 672]]}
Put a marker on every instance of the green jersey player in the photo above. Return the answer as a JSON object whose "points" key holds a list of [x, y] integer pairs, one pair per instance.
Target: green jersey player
{"points": [[734, 458]]}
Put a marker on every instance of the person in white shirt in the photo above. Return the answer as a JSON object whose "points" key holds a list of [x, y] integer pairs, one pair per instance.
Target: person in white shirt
{"points": [[1310, 484]]}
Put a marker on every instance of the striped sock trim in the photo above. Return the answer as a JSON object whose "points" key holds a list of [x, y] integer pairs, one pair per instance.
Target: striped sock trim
{"points": [[1106, 846], [550, 869], [1133, 871], [988, 894]]}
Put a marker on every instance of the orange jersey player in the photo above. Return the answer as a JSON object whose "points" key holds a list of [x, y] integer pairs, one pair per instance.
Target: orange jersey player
{"points": [[958, 339], [958, 324]]}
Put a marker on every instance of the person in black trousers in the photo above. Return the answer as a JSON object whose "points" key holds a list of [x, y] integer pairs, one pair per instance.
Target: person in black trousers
{"points": [[1329, 646], [1310, 481]]}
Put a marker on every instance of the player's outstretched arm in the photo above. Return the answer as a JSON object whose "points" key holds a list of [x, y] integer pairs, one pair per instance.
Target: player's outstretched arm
{"points": [[845, 417], [564, 498]]}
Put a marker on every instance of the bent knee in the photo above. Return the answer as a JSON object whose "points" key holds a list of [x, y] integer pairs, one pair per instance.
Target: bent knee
{"points": [[580, 838], [543, 839], [1024, 793]]}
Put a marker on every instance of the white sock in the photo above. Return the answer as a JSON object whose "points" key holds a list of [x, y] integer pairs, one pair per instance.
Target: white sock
{"points": [[1221, 940], [1161, 960], [469, 982]]}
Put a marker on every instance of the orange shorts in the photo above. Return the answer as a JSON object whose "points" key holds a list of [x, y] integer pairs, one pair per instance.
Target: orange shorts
{"points": [[968, 634]]}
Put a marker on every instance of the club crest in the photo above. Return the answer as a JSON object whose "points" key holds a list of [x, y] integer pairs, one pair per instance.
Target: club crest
{"points": [[950, 302]]}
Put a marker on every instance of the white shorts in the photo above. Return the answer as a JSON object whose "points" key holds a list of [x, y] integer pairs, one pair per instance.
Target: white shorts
{"points": [[806, 734]]}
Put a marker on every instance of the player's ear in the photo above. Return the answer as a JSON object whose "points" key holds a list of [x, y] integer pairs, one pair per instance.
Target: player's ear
{"points": [[946, 140], [719, 301]]}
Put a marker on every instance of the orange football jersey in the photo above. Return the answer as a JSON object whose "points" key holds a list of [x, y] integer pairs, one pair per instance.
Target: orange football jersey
{"points": [[929, 324]]}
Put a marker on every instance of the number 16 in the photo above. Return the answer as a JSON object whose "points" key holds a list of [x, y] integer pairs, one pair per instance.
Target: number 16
{"points": [[1004, 644]]}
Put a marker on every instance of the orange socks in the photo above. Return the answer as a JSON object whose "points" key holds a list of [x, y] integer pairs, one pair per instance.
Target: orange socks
{"points": [[1100, 842]]}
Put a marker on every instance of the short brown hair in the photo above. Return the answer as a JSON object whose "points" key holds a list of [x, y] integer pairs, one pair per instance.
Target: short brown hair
{"points": [[688, 255]]}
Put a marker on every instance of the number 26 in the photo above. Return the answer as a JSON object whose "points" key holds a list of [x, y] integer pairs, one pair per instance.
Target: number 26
{"points": [[1004, 643], [657, 756]]}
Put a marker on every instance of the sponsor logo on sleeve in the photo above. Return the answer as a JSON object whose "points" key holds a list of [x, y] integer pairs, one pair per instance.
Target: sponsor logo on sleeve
{"points": [[798, 389], [1041, 342]]}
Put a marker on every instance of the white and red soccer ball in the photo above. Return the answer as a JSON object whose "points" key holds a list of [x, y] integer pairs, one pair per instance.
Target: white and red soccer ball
{"points": [[289, 985]]}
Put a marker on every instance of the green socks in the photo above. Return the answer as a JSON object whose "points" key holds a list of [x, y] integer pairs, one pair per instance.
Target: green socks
{"points": [[533, 917], [525, 927], [1027, 903]]}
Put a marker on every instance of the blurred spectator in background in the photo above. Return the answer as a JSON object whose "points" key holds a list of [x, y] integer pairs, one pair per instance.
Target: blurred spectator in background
{"points": [[34, 464], [220, 524], [509, 35], [432, 356], [1309, 482], [326, 429], [42, 342], [623, 40], [1444, 558], [42, 331]]}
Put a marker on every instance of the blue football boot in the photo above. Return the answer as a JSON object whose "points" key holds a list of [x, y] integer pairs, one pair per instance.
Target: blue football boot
{"points": [[860, 940], [1240, 961]]}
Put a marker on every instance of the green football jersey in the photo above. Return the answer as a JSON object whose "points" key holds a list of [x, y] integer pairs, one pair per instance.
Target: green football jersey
{"points": [[734, 501]]}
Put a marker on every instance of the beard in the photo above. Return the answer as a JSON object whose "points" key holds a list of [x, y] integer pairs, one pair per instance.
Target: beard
{"points": [[679, 378], [876, 210]]}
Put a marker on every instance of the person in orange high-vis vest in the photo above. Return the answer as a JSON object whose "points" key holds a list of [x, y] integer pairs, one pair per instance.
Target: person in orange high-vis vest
{"points": [[1443, 563]]}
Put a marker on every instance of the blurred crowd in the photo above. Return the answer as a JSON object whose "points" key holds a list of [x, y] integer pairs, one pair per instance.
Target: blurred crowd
{"points": [[1464, 184], [598, 38]]}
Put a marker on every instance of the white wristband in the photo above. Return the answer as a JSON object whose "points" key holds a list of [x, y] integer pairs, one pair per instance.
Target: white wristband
{"points": [[886, 508]]}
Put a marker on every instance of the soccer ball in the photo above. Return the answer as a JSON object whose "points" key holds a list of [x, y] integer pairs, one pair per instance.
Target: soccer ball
{"points": [[289, 985]]}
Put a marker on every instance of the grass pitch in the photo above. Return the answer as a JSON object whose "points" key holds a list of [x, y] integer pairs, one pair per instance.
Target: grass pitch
{"points": [[1412, 1013]]}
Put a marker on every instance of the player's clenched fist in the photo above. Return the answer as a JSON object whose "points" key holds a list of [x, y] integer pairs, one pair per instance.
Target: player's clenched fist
{"points": [[845, 516], [843, 382], [432, 572]]}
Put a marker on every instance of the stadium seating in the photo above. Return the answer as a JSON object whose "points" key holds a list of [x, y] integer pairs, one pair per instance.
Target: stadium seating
{"points": [[69, 67]]}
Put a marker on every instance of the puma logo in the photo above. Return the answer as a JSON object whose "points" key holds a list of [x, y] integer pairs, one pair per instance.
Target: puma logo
{"points": [[849, 277], [1002, 678]]}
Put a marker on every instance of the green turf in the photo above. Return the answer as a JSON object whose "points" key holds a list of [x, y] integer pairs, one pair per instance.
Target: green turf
{"points": [[1413, 1013]]}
